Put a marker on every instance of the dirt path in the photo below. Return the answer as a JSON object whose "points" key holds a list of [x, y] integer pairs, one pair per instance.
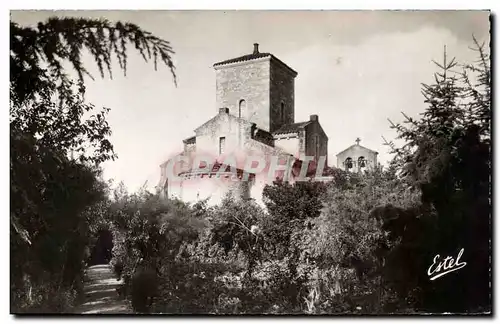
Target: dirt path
{"points": [[101, 296]]}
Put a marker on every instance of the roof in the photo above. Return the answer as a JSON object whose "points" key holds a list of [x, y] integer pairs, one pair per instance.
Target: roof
{"points": [[244, 58], [263, 136], [364, 148], [216, 167], [190, 140], [291, 128], [218, 116], [254, 56]]}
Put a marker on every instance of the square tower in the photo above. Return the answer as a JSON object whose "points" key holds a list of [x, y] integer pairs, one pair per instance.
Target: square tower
{"points": [[257, 87]]}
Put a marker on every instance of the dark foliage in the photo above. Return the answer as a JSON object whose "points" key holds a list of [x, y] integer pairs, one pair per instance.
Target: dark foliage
{"points": [[56, 194], [37, 55], [447, 158]]}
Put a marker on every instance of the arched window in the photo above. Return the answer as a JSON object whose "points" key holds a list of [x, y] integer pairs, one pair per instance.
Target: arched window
{"points": [[282, 112], [222, 145], [348, 164], [362, 162], [242, 107]]}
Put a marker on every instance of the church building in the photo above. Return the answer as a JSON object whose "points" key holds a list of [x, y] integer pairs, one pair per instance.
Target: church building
{"points": [[254, 117]]}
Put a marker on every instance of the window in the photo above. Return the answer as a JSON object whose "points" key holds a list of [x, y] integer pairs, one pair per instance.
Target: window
{"points": [[222, 145], [282, 112], [348, 164], [362, 162], [242, 107]]}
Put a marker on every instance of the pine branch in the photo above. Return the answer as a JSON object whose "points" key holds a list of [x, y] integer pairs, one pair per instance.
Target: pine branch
{"points": [[37, 54]]}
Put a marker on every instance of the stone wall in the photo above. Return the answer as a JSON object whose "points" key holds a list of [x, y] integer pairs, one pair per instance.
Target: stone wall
{"points": [[282, 91], [264, 84], [249, 81], [311, 131], [289, 143], [235, 131], [213, 189]]}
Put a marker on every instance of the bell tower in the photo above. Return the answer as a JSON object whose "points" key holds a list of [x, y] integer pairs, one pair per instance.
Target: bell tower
{"points": [[357, 158], [257, 87]]}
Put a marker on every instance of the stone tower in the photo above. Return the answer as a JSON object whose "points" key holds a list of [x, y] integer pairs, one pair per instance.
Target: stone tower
{"points": [[257, 87]]}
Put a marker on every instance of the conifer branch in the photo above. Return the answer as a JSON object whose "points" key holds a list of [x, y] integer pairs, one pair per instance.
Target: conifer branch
{"points": [[38, 54]]}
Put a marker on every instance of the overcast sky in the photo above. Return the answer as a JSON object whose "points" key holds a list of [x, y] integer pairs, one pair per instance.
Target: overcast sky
{"points": [[355, 70]]}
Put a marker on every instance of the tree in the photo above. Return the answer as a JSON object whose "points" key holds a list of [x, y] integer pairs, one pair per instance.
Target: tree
{"points": [[447, 158], [237, 227], [151, 236], [49, 195], [53, 192], [37, 55], [290, 207]]}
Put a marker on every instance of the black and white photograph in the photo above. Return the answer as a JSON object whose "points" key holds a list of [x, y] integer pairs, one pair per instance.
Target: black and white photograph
{"points": [[251, 162]]}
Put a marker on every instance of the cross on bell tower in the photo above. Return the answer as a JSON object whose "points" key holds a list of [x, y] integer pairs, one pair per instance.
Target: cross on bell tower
{"points": [[357, 141]]}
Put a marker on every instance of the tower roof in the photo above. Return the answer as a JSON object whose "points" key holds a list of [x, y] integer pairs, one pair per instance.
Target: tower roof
{"points": [[255, 55]]}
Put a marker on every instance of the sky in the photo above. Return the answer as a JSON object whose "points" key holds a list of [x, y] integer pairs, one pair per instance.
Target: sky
{"points": [[356, 70]]}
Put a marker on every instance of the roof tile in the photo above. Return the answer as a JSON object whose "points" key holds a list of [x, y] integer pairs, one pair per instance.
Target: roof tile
{"points": [[255, 56], [243, 58]]}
